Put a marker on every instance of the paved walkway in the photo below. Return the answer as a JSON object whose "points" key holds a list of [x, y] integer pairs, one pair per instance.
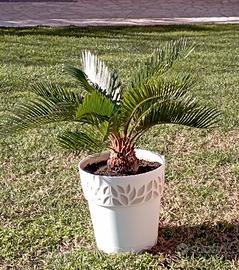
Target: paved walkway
{"points": [[116, 12]]}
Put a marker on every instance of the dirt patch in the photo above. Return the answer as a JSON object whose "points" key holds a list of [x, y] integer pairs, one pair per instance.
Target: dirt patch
{"points": [[100, 168]]}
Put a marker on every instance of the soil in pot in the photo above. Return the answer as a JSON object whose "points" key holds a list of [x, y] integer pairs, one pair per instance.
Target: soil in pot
{"points": [[100, 168]]}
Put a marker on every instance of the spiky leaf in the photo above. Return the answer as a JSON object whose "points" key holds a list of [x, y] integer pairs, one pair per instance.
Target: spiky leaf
{"points": [[96, 108], [95, 75], [51, 104], [162, 60], [183, 110]]}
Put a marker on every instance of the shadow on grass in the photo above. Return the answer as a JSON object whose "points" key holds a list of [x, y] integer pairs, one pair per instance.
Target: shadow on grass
{"points": [[107, 31], [204, 240]]}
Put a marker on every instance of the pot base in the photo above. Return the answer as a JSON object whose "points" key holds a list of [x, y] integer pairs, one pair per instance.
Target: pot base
{"points": [[126, 229], [136, 249]]}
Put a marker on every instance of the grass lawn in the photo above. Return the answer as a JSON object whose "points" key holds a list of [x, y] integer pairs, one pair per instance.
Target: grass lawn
{"points": [[44, 219]]}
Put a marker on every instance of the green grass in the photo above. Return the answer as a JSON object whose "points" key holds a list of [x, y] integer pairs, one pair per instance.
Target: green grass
{"points": [[44, 219]]}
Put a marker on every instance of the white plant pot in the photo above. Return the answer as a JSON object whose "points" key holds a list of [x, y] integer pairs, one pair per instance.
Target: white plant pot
{"points": [[124, 209]]}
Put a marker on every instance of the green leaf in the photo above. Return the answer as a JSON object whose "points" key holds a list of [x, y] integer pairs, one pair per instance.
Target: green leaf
{"points": [[162, 60], [136, 101], [88, 138], [34, 114], [183, 110], [51, 104], [96, 108], [163, 87], [155, 96], [56, 93], [80, 76], [77, 141]]}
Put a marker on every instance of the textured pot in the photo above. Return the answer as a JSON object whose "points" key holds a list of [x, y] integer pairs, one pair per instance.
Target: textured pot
{"points": [[124, 210]]}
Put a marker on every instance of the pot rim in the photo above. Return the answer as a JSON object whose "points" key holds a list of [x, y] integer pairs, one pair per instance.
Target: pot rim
{"points": [[82, 165]]}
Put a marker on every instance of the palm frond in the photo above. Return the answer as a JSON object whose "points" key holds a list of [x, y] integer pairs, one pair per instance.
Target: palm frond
{"points": [[95, 109], [77, 141], [155, 96], [98, 73], [80, 76], [95, 75], [183, 110], [52, 104], [162, 60], [35, 113], [136, 101], [56, 93], [88, 138]]}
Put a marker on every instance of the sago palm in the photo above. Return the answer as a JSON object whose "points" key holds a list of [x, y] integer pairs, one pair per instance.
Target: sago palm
{"points": [[106, 113]]}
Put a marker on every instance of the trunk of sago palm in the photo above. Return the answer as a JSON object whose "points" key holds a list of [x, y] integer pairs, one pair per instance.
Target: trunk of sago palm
{"points": [[123, 160]]}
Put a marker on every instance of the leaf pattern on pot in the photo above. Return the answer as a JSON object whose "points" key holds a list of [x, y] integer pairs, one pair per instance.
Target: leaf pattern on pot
{"points": [[149, 196], [106, 190], [109, 194], [132, 194], [138, 200], [155, 194], [155, 184], [106, 200], [116, 202], [124, 199], [141, 191], [160, 184], [149, 186], [120, 189], [128, 189], [114, 192]]}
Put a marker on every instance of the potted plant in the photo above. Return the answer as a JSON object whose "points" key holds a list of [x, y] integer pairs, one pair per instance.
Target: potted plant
{"points": [[123, 185]]}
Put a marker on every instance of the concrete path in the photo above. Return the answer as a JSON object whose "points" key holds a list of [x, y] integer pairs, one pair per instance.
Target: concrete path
{"points": [[116, 12]]}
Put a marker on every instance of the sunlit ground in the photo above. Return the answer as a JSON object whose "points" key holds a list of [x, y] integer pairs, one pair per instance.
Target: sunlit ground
{"points": [[44, 219]]}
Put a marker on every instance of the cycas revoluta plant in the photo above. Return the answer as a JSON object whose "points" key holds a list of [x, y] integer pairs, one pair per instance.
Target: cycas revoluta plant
{"points": [[106, 113]]}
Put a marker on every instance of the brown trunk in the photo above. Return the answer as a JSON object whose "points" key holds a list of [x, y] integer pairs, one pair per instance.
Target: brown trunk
{"points": [[122, 158]]}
